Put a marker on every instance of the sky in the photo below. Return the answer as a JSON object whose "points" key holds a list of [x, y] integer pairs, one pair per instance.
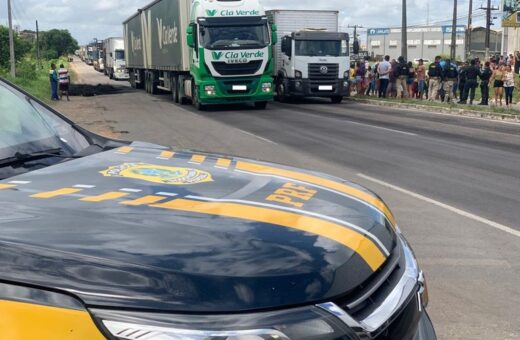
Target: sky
{"points": [[102, 18]]}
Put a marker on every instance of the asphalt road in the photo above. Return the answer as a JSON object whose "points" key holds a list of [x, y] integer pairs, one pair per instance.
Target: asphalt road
{"points": [[452, 182]]}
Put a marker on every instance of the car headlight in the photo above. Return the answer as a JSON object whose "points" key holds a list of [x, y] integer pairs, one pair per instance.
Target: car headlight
{"points": [[297, 74], [266, 87], [295, 324], [210, 90]]}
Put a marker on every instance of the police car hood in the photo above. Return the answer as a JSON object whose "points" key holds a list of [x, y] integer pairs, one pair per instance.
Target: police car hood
{"points": [[145, 227]]}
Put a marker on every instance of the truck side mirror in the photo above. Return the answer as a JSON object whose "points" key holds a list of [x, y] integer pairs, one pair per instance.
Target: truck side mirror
{"points": [[189, 36], [274, 34], [356, 47]]}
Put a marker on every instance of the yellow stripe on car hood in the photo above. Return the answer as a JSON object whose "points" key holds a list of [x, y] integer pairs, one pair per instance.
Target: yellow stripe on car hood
{"points": [[323, 182], [25, 321], [347, 237]]}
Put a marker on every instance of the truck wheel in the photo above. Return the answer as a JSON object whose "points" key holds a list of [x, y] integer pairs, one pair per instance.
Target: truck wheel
{"points": [[336, 99], [174, 81], [195, 99], [260, 105], [153, 85], [281, 91], [111, 74], [132, 79]]}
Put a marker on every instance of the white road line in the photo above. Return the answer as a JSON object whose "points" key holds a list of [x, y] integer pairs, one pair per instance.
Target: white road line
{"points": [[84, 186], [19, 182], [256, 136], [130, 190], [169, 194], [469, 215], [381, 128]]}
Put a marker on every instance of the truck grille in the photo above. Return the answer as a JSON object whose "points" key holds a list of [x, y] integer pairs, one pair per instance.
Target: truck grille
{"points": [[323, 73], [249, 68]]}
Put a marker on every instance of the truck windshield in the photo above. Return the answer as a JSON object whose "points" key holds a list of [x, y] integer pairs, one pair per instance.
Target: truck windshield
{"points": [[320, 48], [120, 55], [234, 37]]}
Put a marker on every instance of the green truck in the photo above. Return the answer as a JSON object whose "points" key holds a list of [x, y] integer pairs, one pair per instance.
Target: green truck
{"points": [[203, 52]]}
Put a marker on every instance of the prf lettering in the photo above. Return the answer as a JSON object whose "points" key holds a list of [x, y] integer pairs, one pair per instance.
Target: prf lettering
{"points": [[292, 194]]}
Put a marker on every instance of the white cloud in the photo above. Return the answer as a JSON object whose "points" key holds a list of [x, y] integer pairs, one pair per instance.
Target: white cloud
{"points": [[103, 18]]}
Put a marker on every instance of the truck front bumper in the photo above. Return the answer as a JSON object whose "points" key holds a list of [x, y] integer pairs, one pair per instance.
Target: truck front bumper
{"points": [[309, 88], [236, 90]]}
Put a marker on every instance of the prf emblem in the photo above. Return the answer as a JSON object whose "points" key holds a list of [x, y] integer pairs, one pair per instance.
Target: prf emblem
{"points": [[159, 174], [292, 194]]}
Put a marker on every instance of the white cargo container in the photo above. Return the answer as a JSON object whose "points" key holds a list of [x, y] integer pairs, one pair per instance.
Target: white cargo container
{"points": [[114, 58], [312, 58]]}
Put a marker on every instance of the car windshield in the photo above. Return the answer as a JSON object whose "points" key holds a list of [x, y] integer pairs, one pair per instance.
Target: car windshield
{"points": [[120, 55], [28, 127], [320, 48], [233, 37]]}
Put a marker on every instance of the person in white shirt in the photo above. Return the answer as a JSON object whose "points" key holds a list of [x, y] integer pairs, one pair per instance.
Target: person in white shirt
{"points": [[384, 70]]}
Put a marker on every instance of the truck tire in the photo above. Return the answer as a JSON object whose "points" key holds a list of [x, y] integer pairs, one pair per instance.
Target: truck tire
{"points": [[336, 99], [111, 74], [281, 91], [174, 81], [132, 79], [195, 99], [153, 83], [260, 105]]}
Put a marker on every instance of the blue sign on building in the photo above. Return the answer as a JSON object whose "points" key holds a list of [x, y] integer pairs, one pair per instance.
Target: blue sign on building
{"points": [[378, 31], [460, 29]]}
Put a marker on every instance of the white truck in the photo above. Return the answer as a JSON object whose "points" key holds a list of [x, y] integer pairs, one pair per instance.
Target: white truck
{"points": [[312, 59], [114, 53]]}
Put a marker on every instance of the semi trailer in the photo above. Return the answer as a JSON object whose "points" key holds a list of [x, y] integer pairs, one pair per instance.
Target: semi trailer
{"points": [[312, 59], [206, 52], [114, 55]]}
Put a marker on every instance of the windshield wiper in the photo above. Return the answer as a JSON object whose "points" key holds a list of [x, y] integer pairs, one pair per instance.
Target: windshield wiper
{"points": [[21, 158]]}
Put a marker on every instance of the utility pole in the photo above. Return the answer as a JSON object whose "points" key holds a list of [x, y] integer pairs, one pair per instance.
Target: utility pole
{"points": [[468, 36], [404, 36], [488, 25], [453, 50], [11, 39], [37, 43], [355, 27]]}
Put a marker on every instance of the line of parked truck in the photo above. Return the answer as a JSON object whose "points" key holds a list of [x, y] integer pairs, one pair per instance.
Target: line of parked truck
{"points": [[222, 51]]}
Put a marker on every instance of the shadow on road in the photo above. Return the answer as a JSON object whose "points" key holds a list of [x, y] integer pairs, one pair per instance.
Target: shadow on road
{"points": [[96, 90]]}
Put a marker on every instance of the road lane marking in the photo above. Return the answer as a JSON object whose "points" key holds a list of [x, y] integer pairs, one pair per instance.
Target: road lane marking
{"points": [[19, 182], [381, 128], [104, 197], [256, 136], [301, 212], [460, 212], [197, 159], [6, 186], [320, 182], [56, 193], [150, 199], [84, 186], [130, 190], [353, 240], [169, 194]]}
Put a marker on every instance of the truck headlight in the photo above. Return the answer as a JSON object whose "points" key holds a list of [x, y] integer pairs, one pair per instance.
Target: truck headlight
{"points": [[297, 74], [295, 324], [266, 87], [210, 90]]}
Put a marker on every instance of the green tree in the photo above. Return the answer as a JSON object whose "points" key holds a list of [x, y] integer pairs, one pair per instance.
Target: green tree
{"points": [[56, 43], [21, 47]]}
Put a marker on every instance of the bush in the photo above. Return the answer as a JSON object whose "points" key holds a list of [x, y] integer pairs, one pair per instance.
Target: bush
{"points": [[27, 70]]}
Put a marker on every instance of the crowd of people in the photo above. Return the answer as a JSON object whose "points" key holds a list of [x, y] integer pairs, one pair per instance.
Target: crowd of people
{"points": [[443, 80]]}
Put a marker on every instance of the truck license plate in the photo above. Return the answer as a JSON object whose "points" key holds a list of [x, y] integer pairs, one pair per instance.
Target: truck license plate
{"points": [[239, 88], [325, 88]]}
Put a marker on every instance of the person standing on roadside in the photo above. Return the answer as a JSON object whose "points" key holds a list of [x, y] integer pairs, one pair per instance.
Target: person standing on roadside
{"points": [[517, 62], [410, 81], [462, 79], [450, 75], [383, 69], [402, 78], [485, 76], [53, 78], [435, 74], [421, 78], [64, 81], [472, 73], [509, 85], [498, 84]]}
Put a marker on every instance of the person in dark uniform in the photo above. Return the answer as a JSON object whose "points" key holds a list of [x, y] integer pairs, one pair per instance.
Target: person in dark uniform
{"points": [[462, 79], [472, 73], [450, 75], [435, 74], [485, 76]]}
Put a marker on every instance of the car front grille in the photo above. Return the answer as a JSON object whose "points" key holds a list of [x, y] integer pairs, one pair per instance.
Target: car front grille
{"points": [[225, 69]]}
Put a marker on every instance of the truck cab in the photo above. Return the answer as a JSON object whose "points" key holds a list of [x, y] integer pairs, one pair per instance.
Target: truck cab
{"points": [[230, 53], [314, 63]]}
